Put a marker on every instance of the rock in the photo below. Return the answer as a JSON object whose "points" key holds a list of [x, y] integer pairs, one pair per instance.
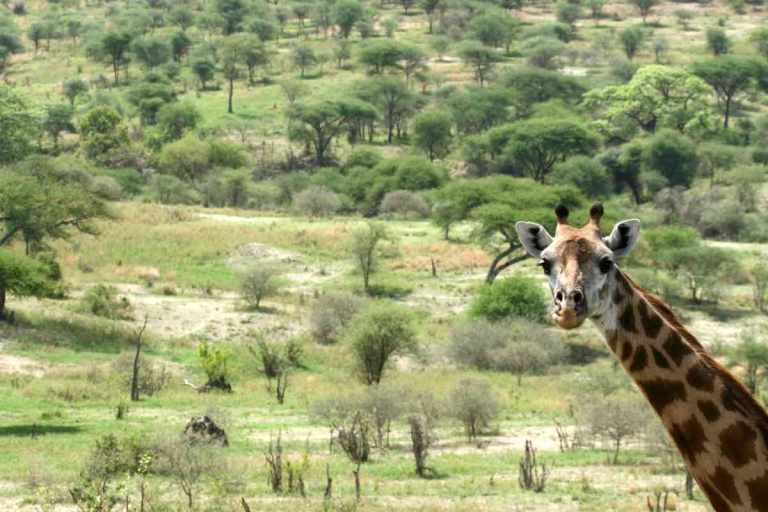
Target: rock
{"points": [[203, 429]]}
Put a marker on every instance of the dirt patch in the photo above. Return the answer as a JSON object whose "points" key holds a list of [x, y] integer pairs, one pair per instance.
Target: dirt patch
{"points": [[18, 365], [220, 318]]}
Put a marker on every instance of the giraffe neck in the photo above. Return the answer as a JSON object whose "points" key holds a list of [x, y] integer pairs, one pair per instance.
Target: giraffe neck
{"points": [[716, 424]]}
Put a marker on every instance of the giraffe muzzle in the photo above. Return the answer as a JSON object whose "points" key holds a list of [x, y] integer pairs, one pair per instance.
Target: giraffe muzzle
{"points": [[569, 308]]}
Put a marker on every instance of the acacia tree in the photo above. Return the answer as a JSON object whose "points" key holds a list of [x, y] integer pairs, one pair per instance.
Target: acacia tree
{"points": [[111, 47], [729, 76], [752, 355], [645, 7], [364, 247], [231, 55], [536, 145], [480, 58], [20, 276], [318, 123], [393, 98], [432, 133], [657, 96], [18, 126]]}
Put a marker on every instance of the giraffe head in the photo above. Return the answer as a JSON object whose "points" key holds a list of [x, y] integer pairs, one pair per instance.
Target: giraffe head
{"points": [[579, 262]]}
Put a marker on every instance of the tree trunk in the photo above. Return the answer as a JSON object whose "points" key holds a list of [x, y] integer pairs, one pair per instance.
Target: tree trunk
{"points": [[231, 92], [688, 484], [727, 113], [115, 70], [2, 303], [136, 359]]}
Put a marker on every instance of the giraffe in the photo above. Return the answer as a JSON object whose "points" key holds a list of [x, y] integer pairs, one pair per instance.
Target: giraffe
{"points": [[718, 427]]}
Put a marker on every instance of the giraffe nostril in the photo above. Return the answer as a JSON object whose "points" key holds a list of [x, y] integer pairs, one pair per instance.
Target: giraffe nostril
{"points": [[577, 297], [559, 296]]}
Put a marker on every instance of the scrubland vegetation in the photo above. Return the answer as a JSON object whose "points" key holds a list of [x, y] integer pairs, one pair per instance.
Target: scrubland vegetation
{"points": [[292, 221]]}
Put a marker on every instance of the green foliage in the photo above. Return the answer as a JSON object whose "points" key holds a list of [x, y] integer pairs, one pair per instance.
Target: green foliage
{"points": [[345, 14], [656, 97], [515, 296], [177, 118], [378, 333], [751, 353], [151, 51], [102, 131], [584, 173], [729, 76], [102, 300], [493, 29], [474, 404], [21, 276], [535, 85], [476, 109], [480, 58], [214, 360], [74, 88], [631, 38], [534, 146], [718, 41], [168, 189], [258, 283], [673, 156], [700, 268], [432, 133], [330, 315], [18, 126], [518, 347], [111, 47], [364, 248]]}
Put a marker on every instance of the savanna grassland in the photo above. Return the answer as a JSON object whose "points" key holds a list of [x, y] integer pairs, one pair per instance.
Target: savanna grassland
{"points": [[302, 213]]}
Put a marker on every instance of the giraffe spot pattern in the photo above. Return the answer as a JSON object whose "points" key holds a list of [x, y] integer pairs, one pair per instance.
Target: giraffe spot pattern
{"points": [[717, 501], [652, 322], [659, 358], [724, 482], [758, 493], [662, 392], [626, 350], [612, 337], [689, 438], [701, 377], [627, 319], [640, 361], [710, 410], [738, 443], [675, 348]]}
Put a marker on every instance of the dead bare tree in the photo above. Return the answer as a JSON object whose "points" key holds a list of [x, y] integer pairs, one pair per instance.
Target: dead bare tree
{"points": [[532, 475], [274, 458], [137, 361]]}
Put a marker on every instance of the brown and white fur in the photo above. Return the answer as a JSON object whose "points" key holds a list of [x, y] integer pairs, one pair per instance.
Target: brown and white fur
{"points": [[719, 428]]}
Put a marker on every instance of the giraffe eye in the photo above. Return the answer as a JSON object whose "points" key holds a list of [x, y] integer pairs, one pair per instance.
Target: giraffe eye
{"points": [[546, 266], [606, 264]]}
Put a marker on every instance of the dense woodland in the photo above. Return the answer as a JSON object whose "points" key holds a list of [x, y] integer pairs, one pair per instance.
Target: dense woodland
{"points": [[296, 219]]}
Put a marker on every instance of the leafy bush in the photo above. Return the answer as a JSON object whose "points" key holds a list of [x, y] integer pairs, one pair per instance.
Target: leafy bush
{"points": [[381, 331], [215, 363], [257, 283], [153, 375], [518, 347], [515, 296], [168, 189], [402, 203], [316, 202], [586, 174], [473, 403], [102, 300], [331, 313]]}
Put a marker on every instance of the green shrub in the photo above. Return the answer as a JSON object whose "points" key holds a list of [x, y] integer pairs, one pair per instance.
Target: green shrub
{"points": [[259, 282], [474, 404], [515, 296], [331, 313], [102, 300], [215, 363], [381, 331]]}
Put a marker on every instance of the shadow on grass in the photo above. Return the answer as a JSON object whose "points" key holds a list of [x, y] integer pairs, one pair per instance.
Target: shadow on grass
{"points": [[75, 333], [35, 430]]}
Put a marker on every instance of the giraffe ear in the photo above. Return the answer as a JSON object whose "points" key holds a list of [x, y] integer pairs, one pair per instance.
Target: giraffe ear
{"points": [[623, 237], [534, 237]]}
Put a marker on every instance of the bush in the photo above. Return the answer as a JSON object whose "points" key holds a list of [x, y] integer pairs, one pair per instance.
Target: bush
{"points": [[102, 300], [473, 403], [515, 296], [586, 174], [381, 331], [330, 314], [518, 347], [153, 375], [258, 283], [402, 203], [364, 157], [673, 155], [168, 189], [215, 363], [616, 418], [316, 202]]}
